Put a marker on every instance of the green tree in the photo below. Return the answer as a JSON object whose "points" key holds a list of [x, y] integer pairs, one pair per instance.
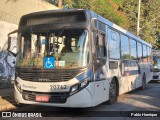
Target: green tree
{"points": [[109, 9], [149, 25], [157, 46]]}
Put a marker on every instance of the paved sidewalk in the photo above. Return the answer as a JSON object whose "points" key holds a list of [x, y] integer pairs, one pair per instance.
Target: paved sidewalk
{"points": [[6, 99]]}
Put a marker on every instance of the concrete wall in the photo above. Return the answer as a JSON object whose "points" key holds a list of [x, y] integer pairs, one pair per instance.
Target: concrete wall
{"points": [[7, 61], [12, 11], [10, 14], [5, 28]]}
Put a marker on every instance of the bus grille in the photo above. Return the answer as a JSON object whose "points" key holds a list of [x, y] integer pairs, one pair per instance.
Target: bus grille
{"points": [[36, 75], [46, 77], [56, 97]]}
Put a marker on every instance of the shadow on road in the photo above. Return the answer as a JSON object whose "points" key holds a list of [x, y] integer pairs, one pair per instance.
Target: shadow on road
{"points": [[155, 81]]}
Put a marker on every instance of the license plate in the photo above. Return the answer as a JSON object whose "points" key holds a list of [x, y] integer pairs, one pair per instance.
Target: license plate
{"points": [[40, 98]]}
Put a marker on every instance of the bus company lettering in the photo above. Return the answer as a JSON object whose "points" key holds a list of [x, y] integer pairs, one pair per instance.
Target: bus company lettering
{"points": [[31, 87], [41, 79], [22, 115]]}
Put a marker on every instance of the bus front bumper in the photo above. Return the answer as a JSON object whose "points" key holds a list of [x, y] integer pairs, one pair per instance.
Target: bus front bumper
{"points": [[81, 99]]}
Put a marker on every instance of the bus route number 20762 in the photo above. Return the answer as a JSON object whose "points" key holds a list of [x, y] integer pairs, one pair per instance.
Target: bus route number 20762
{"points": [[58, 87]]}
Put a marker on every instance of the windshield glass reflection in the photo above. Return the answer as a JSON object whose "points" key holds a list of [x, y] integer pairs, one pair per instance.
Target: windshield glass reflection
{"points": [[65, 48]]}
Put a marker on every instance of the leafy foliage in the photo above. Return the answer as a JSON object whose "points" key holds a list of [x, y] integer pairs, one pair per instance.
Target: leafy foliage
{"points": [[125, 12], [149, 19], [109, 9]]}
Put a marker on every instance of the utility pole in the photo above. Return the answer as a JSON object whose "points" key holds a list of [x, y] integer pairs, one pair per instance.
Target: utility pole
{"points": [[139, 7]]}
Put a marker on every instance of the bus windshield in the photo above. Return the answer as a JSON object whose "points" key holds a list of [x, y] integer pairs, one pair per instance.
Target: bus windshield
{"points": [[69, 47], [156, 60]]}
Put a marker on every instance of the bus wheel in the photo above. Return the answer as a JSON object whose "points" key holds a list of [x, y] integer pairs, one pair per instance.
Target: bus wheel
{"points": [[143, 82], [112, 92]]}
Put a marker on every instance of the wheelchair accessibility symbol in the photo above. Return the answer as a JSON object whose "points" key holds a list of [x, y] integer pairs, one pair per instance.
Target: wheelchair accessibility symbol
{"points": [[49, 62]]}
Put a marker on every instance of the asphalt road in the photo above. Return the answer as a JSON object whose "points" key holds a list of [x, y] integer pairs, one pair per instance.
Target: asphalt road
{"points": [[136, 101]]}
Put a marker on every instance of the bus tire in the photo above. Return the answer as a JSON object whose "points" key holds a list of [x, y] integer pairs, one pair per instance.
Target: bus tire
{"points": [[112, 92], [143, 82]]}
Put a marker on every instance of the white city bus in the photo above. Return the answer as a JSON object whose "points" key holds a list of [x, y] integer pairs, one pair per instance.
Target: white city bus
{"points": [[156, 65], [76, 58]]}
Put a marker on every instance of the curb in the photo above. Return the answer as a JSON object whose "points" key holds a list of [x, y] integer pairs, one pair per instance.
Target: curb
{"points": [[6, 100], [5, 105]]}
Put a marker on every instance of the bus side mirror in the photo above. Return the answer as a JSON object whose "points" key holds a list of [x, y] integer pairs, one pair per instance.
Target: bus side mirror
{"points": [[9, 43], [9, 46]]}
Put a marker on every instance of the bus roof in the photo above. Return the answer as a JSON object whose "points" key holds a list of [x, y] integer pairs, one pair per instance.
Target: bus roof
{"points": [[94, 15], [51, 11]]}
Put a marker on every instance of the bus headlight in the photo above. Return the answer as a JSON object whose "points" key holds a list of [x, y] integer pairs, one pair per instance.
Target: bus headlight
{"points": [[18, 86], [84, 83], [79, 86], [74, 88]]}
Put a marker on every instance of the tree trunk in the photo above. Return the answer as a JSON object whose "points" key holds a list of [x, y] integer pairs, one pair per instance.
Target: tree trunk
{"points": [[60, 3]]}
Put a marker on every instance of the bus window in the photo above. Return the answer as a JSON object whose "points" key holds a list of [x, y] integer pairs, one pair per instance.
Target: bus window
{"points": [[125, 47], [100, 45], [139, 46], [99, 25], [27, 45], [40, 44], [149, 54], [114, 47], [133, 49], [144, 53]]}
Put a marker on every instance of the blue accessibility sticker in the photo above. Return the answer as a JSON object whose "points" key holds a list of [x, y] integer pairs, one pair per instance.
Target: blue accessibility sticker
{"points": [[43, 41], [49, 62]]}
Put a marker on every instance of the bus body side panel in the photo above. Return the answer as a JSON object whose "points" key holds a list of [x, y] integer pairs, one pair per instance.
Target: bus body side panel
{"points": [[145, 69], [133, 80], [129, 76], [101, 92], [149, 73], [139, 77], [127, 84]]}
